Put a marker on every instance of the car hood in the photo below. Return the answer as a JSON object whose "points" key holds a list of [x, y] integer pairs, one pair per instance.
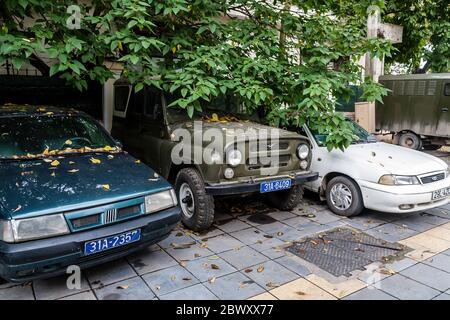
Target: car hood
{"points": [[35, 187], [230, 128], [395, 159]]}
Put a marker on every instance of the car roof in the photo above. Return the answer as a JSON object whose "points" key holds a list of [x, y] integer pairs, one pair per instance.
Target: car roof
{"points": [[13, 110]]}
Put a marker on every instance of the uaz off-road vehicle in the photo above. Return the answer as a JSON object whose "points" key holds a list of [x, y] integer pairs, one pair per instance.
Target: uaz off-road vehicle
{"points": [[154, 132]]}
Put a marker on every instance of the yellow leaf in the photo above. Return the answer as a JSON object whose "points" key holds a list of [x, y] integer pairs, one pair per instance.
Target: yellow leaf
{"points": [[260, 269], [53, 174], [108, 148], [110, 156], [95, 161], [174, 49], [54, 163], [105, 186], [73, 170], [214, 117], [49, 113], [68, 142], [119, 45], [137, 161]]}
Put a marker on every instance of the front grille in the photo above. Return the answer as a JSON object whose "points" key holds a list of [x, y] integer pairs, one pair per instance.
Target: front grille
{"points": [[268, 146], [86, 221], [110, 216], [433, 178], [283, 161]]}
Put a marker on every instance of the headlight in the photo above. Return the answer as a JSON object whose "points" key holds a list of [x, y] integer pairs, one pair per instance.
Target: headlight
{"points": [[304, 165], [393, 180], [302, 151], [160, 201], [33, 228], [234, 157]]}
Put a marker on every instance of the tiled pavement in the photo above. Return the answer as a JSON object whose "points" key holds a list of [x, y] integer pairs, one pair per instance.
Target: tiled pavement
{"points": [[243, 257]]}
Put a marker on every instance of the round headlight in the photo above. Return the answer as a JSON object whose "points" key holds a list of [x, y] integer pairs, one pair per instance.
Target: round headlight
{"points": [[234, 157], [304, 165], [302, 151], [229, 173]]}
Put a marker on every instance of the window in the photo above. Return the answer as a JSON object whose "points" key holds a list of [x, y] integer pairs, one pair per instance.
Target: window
{"points": [[152, 103], [447, 89], [121, 99]]}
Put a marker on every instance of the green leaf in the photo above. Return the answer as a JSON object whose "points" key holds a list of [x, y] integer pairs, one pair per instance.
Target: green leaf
{"points": [[190, 111]]}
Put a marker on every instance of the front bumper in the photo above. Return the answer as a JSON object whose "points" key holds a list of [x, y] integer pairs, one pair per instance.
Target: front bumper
{"points": [[253, 185], [21, 262], [390, 198]]}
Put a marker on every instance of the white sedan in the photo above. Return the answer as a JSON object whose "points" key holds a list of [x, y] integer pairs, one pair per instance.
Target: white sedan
{"points": [[377, 175]]}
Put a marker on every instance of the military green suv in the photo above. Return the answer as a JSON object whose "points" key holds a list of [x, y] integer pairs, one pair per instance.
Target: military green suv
{"points": [[221, 151]]}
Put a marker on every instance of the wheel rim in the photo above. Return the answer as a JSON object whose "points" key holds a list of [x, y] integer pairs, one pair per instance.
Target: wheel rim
{"points": [[341, 196], [187, 202], [409, 142]]}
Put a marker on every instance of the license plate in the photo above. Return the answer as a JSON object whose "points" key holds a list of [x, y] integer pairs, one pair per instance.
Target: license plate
{"points": [[439, 194], [111, 242], [275, 185]]}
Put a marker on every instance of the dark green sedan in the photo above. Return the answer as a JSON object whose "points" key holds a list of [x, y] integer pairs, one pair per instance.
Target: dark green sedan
{"points": [[69, 195]]}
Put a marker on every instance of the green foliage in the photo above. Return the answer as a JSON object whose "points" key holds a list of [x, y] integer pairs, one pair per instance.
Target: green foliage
{"points": [[293, 57]]}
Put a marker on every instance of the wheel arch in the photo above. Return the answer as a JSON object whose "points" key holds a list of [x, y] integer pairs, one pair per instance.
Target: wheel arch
{"points": [[329, 176]]}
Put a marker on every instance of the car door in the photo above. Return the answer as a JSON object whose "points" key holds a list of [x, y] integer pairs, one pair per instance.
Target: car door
{"points": [[152, 128], [443, 128]]}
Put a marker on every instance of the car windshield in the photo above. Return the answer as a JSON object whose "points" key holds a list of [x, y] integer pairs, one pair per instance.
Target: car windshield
{"points": [[226, 107], [360, 135], [28, 137]]}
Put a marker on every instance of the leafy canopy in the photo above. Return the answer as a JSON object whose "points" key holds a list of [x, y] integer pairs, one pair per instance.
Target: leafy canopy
{"points": [[293, 57]]}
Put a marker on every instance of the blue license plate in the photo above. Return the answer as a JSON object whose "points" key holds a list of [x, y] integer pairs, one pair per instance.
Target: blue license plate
{"points": [[275, 185], [111, 242]]}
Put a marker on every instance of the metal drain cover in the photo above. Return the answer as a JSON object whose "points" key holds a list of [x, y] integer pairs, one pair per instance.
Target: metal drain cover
{"points": [[341, 251]]}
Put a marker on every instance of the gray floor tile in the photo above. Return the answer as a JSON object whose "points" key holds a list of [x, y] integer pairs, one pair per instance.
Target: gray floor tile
{"points": [[446, 252], [391, 232], [243, 258], [369, 293], [417, 223], [300, 222], [148, 261], [110, 272], [87, 295], [267, 243], [282, 215], [17, 292], [274, 253], [131, 289], [325, 216], [233, 225], [176, 237], [442, 296], [249, 236], [429, 276], [194, 252], [204, 269], [212, 232], [271, 274], [440, 261], [196, 292], [364, 223], [400, 265], [223, 243], [294, 264], [55, 288], [168, 280], [235, 286], [406, 289], [439, 212]]}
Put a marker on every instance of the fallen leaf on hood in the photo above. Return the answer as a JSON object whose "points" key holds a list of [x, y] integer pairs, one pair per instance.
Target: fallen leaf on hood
{"points": [[108, 148], [54, 163], [47, 160], [95, 161], [137, 161], [110, 156], [71, 162], [53, 174], [123, 287], [105, 187], [215, 266], [73, 170], [260, 269], [68, 142], [17, 209]]}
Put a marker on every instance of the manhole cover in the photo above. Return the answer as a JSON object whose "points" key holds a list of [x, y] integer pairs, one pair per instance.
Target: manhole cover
{"points": [[341, 251]]}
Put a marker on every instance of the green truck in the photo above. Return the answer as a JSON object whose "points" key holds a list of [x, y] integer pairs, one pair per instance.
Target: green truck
{"points": [[155, 133], [416, 110]]}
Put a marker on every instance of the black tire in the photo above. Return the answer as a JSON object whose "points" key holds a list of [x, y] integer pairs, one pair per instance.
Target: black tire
{"points": [[286, 200], [203, 204], [357, 204], [410, 140]]}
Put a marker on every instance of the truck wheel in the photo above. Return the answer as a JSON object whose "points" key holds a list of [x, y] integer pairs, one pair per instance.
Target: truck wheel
{"points": [[344, 197], [286, 200], [410, 140], [197, 207]]}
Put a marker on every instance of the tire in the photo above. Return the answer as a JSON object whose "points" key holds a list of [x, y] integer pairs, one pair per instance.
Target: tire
{"points": [[197, 207], [340, 188], [410, 140], [286, 200]]}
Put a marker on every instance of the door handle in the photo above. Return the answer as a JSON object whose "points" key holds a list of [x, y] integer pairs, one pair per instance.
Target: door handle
{"points": [[444, 109]]}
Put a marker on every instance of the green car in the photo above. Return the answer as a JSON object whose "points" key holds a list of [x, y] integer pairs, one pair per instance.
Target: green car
{"points": [[221, 151]]}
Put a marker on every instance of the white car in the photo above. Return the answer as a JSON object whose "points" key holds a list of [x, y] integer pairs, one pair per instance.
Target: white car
{"points": [[377, 175]]}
